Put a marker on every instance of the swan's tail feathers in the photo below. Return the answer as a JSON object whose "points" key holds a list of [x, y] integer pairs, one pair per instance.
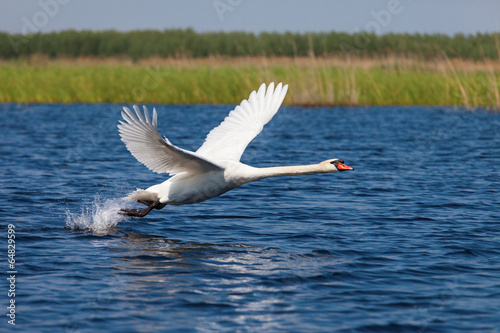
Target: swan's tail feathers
{"points": [[142, 195]]}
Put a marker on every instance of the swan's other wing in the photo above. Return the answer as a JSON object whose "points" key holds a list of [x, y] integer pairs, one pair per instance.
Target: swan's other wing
{"points": [[142, 139], [229, 140]]}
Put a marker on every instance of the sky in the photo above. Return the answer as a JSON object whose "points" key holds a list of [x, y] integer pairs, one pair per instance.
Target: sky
{"points": [[380, 16]]}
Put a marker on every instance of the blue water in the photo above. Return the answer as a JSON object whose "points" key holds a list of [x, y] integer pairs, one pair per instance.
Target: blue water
{"points": [[409, 242]]}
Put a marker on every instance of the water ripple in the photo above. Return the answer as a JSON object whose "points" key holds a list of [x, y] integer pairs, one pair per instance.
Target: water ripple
{"points": [[406, 243]]}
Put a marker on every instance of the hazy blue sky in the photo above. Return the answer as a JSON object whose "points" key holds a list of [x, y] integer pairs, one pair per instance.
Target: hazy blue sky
{"points": [[424, 16]]}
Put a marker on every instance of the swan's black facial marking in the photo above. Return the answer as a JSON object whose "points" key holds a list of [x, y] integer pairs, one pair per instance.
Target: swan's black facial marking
{"points": [[339, 164], [336, 163]]}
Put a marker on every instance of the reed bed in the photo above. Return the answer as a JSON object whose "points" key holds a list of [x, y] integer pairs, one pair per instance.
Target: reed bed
{"points": [[312, 81]]}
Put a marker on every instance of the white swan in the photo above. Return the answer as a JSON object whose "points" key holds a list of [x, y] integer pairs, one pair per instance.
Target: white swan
{"points": [[215, 167]]}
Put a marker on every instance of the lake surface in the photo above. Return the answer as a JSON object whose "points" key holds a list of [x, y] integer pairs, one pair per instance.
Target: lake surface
{"points": [[408, 242]]}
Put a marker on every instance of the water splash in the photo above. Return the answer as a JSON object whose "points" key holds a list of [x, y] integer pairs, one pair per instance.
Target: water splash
{"points": [[100, 217]]}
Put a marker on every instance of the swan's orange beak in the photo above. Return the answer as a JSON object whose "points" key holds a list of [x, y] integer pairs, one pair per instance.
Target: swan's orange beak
{"points": [[343, 167]]}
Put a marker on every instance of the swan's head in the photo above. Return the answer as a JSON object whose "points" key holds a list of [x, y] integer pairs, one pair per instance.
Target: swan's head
{"points": [[335, 165]]}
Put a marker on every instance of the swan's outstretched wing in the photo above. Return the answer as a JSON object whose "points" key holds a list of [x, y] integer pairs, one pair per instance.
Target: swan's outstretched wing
{"points": [[142, 139], [229, 140]]}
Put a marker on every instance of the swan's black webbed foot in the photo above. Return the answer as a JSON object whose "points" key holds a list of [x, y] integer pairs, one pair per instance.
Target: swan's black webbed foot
{"points": [[139, 212]]}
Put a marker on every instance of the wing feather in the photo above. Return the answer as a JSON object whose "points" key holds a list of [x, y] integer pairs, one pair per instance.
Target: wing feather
{"points": [[140, 134], [229, 140]]}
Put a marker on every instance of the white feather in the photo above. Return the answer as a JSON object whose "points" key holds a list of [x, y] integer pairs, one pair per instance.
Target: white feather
{"points": [[142, 139], [229, 140]]}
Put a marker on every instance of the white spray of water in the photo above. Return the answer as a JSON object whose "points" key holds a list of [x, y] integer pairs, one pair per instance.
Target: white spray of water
{"points": [[100, 217]]}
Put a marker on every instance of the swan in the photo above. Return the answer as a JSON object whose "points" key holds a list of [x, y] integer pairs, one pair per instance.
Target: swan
{"points": [[215, 167]]}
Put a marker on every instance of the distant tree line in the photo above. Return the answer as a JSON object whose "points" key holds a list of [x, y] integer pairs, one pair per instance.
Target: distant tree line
{"points": [[188, 43]]}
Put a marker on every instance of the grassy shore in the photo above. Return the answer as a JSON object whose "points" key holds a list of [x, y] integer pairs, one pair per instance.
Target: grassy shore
{"points": [[312, 81]]}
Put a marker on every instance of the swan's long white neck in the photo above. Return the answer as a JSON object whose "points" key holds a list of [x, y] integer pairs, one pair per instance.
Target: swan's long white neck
{"points": [[261, 173]]}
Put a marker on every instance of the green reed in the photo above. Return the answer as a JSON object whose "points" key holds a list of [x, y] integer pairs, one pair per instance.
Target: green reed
{"points": [[310, 83]]}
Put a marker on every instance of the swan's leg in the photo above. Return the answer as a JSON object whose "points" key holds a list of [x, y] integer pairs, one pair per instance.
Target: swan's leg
{"points": [[149, 202], [139, 212]]}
